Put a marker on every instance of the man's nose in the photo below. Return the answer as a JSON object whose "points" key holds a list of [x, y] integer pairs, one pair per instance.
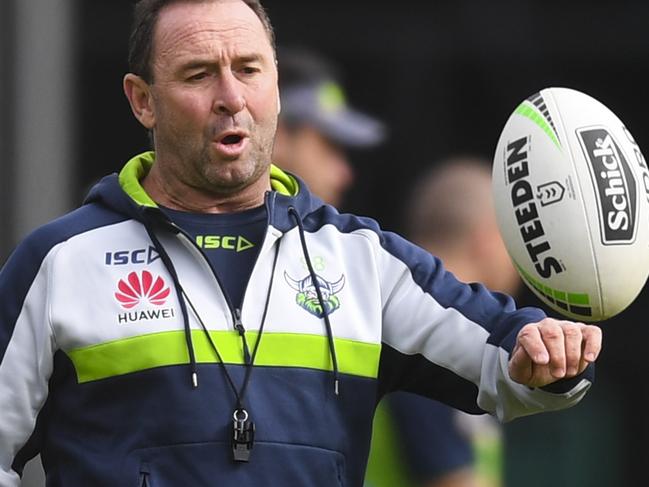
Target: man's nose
{"points": [[230, 97]]}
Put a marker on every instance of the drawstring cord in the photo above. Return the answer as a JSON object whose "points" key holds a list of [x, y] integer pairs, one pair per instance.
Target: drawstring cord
{"points": [[249, 365], [330, 336], [263, 322], [184, 300], [180, 292]]}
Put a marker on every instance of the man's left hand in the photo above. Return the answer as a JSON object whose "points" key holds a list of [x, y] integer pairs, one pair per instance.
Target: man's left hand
{"points": [[551, 350]]}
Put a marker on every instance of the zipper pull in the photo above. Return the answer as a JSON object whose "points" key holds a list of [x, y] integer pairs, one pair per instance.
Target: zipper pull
{"points": [[238, 325]]}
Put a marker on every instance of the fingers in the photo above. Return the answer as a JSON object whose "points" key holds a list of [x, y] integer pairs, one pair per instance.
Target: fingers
{"points": [[592, 342], [531, 340], [551, 350], [524, 370], [553, 338], [572, 336]]}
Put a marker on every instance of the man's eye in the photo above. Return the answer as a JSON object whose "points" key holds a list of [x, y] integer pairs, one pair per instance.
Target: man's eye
{"points": [[198, 76], [249, 70]]}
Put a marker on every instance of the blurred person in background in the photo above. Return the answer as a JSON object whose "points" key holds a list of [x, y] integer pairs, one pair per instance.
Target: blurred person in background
{"points": [[317, 127], [451, 213]]}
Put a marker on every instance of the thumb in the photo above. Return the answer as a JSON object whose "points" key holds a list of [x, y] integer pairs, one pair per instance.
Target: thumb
{"points": [[521, 366]]}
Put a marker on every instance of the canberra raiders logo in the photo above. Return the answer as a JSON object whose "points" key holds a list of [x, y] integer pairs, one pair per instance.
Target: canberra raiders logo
{"points": [[307, 297]]}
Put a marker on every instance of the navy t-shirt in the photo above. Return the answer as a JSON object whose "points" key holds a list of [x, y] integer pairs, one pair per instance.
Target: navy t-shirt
{"points": [[230, 241]]}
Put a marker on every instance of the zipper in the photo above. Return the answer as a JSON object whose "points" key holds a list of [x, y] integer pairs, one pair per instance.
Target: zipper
{"points": [[144, 476], [235, 313], [240, 410]]}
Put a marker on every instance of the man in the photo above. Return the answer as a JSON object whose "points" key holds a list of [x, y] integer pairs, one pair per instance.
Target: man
{"points": [[203, 320]]}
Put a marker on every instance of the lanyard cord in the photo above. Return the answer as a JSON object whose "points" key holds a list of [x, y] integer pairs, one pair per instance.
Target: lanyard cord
{"points": [[263, 322], [314, 279], [240, 394], [183, 308]]}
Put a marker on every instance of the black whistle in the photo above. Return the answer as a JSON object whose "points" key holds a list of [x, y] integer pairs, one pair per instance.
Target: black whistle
{"points": [[243, 436]]}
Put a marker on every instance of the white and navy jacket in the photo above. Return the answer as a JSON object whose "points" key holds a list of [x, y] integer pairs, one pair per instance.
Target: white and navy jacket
{"points": [[104, 317]]}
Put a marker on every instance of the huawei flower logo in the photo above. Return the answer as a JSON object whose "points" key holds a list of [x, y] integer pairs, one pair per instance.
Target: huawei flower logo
{"points": [[138, 287]]}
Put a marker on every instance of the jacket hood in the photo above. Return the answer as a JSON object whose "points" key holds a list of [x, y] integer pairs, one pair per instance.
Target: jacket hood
{"points": [[124, 193]]}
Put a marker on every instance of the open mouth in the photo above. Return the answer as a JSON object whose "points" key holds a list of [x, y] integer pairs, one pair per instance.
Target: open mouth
{"points": [[232, 144], [231, 139]]}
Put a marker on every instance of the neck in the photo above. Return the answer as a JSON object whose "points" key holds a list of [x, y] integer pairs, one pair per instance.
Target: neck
{"points": [[176, 195]]}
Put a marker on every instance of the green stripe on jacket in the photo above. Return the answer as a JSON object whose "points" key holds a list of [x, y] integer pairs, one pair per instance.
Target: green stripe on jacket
{"points": [[144, 352]]}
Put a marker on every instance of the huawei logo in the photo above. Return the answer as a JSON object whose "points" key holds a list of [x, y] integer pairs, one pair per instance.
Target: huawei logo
{"points": [[138, 287]]}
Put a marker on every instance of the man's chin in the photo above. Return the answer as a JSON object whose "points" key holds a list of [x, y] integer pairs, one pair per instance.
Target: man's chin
{"points": [[231, 177]]}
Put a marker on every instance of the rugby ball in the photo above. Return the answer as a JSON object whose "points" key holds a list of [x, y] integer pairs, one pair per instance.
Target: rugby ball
{"points": [[571, 191]]}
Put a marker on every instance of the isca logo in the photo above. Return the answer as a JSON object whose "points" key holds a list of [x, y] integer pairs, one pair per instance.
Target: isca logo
{"points": [[225, 242], [142, 286], [125, 257]]}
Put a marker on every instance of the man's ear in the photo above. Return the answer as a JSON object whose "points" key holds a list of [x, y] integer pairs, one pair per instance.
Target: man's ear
{"points": [[139, 97]]}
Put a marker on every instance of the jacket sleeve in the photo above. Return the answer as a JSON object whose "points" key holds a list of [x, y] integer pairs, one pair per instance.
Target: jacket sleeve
{"points": [[26, 353], [452, 341]]}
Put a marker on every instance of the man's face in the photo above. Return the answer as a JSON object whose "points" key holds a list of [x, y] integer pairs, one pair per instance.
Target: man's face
{"points": [[214, 95], [322, 164]]}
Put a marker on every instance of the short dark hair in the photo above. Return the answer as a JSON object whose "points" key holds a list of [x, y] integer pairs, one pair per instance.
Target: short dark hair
{"points": [[145, 17]]}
